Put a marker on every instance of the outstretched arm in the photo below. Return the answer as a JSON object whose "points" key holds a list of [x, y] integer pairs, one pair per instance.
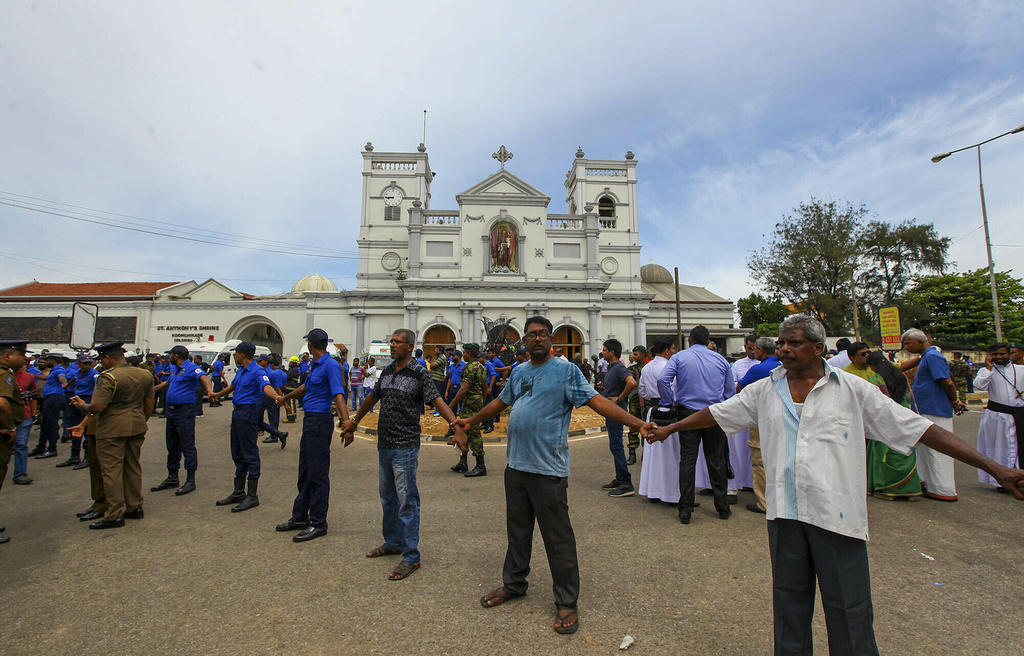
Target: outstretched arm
{"points": [[604, 407], [700, 419]]}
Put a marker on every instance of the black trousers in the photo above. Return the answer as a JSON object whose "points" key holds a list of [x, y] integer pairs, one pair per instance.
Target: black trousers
{"points": [[49, 428], [530, 497], [802, 553], [314, 469], [273, 415], [716, 455], [180, 435]]}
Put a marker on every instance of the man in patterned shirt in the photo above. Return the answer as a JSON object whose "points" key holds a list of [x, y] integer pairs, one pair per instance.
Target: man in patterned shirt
{"points": [[403, 388]]}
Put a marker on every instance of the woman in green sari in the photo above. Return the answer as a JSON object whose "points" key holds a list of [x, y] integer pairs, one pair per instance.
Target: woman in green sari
{"points": [[891, 475]]}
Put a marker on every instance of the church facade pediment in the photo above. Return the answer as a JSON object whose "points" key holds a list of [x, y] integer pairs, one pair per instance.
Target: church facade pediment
{"points": [[503, 188]]}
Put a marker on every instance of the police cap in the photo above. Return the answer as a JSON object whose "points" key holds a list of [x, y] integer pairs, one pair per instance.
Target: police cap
{"points": [[179, 351], [248, 348], [110, 348], [20, 345], [316, 335]]}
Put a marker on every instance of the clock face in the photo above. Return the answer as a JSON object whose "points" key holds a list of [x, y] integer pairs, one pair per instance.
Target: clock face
{"points": [[392, 196], [391, 260]]}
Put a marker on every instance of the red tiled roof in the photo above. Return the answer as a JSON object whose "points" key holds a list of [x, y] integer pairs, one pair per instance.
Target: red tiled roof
{"points": [[85, 289]]}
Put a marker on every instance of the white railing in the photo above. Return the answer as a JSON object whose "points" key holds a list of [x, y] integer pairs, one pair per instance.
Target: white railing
{"points": [[607, 222], [395, 166], [565, 224], [441, 218], [606, 172]]}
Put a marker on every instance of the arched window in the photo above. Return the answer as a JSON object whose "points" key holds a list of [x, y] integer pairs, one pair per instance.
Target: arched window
{"points": [[606, 206]]}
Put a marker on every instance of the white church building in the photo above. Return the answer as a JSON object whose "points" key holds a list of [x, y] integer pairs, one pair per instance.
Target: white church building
{"points": [[499, 253]]}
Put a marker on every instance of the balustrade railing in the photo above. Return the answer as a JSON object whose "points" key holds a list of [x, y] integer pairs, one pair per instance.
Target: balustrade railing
{"points": [[395, 166], [607, 222], [606, 172], [441, 218], [565, 224]]}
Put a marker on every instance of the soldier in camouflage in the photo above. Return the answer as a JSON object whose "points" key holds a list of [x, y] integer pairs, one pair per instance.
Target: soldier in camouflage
{"points": [[472, 394], [636, 404]]}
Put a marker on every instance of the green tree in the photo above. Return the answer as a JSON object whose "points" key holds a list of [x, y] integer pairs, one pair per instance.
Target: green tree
{"points": [[956, 309], [891, 255], [757, 309], [810, 257]]}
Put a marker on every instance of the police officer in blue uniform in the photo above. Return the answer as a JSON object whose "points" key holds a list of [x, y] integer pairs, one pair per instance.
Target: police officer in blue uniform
{"points": [[323, 385], [273, 412], [180, 430], [217, 374], [250, 385], [54, 402], [84, 382]]}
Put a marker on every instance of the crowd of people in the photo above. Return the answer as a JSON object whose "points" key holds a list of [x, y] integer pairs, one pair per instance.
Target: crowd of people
{"points": [[809, 437]]}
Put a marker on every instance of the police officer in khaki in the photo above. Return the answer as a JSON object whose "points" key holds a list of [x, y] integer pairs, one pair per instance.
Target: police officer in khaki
{"points": [[12, 410], [122, 401]]}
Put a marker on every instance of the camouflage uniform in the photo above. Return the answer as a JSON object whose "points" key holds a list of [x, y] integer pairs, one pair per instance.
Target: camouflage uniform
{"points": [[476, 376], [960, 372], [635, 406]]}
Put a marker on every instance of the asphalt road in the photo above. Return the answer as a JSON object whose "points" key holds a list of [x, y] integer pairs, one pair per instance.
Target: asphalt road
{"points": [[192, 578]]}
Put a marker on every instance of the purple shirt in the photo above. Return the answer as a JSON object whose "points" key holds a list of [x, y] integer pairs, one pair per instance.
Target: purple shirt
{"points": [[702, 378]]}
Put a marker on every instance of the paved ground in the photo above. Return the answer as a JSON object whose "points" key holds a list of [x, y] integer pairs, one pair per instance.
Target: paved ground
{"points": [[195, 579]]}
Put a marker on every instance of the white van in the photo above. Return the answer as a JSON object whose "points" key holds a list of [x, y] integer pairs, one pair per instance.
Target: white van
{"points": [[209, 351]]}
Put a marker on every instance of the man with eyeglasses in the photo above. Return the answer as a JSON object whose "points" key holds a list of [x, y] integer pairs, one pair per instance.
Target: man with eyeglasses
{"points": [[542, 393], [403, 388]]}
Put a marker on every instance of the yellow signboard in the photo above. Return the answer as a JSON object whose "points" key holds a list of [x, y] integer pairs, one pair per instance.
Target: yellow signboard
{"points": [[889, 320]]}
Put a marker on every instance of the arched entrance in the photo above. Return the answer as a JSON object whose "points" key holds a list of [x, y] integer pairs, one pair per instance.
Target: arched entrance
{"points": [[569, 340], [437, 335], [261, 331]]}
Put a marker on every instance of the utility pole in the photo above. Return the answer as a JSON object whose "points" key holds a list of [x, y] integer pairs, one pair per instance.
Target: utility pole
{"points": [[679, 321], [856, 314]]}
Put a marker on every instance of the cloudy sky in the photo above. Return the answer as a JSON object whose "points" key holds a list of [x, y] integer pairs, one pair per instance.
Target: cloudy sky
{"points": [[211, 119]]}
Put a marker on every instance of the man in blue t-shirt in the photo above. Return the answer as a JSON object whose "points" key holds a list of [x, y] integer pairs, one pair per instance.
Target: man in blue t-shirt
{"points": [[54, 403], [270, 364], [84, 381], [454, 378], [936, 397], [217, 376], [180, 430], [542, 394]]}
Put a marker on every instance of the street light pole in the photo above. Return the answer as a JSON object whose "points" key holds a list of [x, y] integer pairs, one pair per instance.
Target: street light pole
{"points": [[984, 219], [988, 248]]}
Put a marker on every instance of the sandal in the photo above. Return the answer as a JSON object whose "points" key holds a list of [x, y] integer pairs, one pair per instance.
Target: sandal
{"points": [[382, 550], [560, 621], [498, 596], [404, 570]]}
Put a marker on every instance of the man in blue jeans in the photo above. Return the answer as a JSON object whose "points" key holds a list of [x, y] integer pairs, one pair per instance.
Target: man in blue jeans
{"points": [[617, 385], [403, 388]]}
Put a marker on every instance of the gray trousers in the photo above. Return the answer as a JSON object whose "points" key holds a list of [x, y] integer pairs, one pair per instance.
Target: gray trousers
{"points": [[802, 553]]}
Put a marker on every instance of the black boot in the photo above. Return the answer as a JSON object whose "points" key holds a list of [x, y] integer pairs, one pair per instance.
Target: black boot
{"points": [[480, 469], [632, 457], [283, 436], [235, 496], [190, 483], [250, 500], [167, 483], [461, 466]]}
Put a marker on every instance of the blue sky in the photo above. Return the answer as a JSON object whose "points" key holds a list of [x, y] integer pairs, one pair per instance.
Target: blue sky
{"points": [[249, 118]]}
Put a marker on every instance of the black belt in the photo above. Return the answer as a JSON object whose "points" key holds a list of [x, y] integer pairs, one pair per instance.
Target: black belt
{"points": [[175, 406], [1017, 412], [653, 401]]}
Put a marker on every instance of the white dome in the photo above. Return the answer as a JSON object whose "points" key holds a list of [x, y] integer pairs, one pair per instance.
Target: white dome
{"points": [[314, 283], [655, 273]]}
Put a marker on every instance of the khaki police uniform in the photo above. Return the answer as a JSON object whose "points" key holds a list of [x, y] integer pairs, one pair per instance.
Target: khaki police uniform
{"points": [[120, 431], [9, 390]]}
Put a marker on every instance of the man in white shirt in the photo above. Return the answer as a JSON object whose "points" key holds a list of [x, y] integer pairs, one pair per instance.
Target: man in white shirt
{"points": [[841, 359], [813, 420], [1001, 432], [659, 474]]}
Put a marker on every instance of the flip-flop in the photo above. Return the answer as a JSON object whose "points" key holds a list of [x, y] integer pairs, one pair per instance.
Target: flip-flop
{"points": [[499, 596], [404, 570], [566, 630], [382, 550]]}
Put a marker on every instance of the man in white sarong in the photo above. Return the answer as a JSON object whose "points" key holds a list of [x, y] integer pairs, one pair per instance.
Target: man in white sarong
{"points": [[659, 472], [1001, 432]]}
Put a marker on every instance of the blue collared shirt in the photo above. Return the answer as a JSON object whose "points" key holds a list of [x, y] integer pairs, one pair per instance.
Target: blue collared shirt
{"points": [[762, 369], [304, 367], [85, 381], [455, 372], [249, 383], [491, 373], [931, 399], [70, 373], [53, 385], [278, 378], [701, 376], [181, 389], [323, 383], [217, 369]]}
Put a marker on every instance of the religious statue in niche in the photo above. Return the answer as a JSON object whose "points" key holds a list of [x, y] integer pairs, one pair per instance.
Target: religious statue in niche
{"points": [[504, 247]]}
